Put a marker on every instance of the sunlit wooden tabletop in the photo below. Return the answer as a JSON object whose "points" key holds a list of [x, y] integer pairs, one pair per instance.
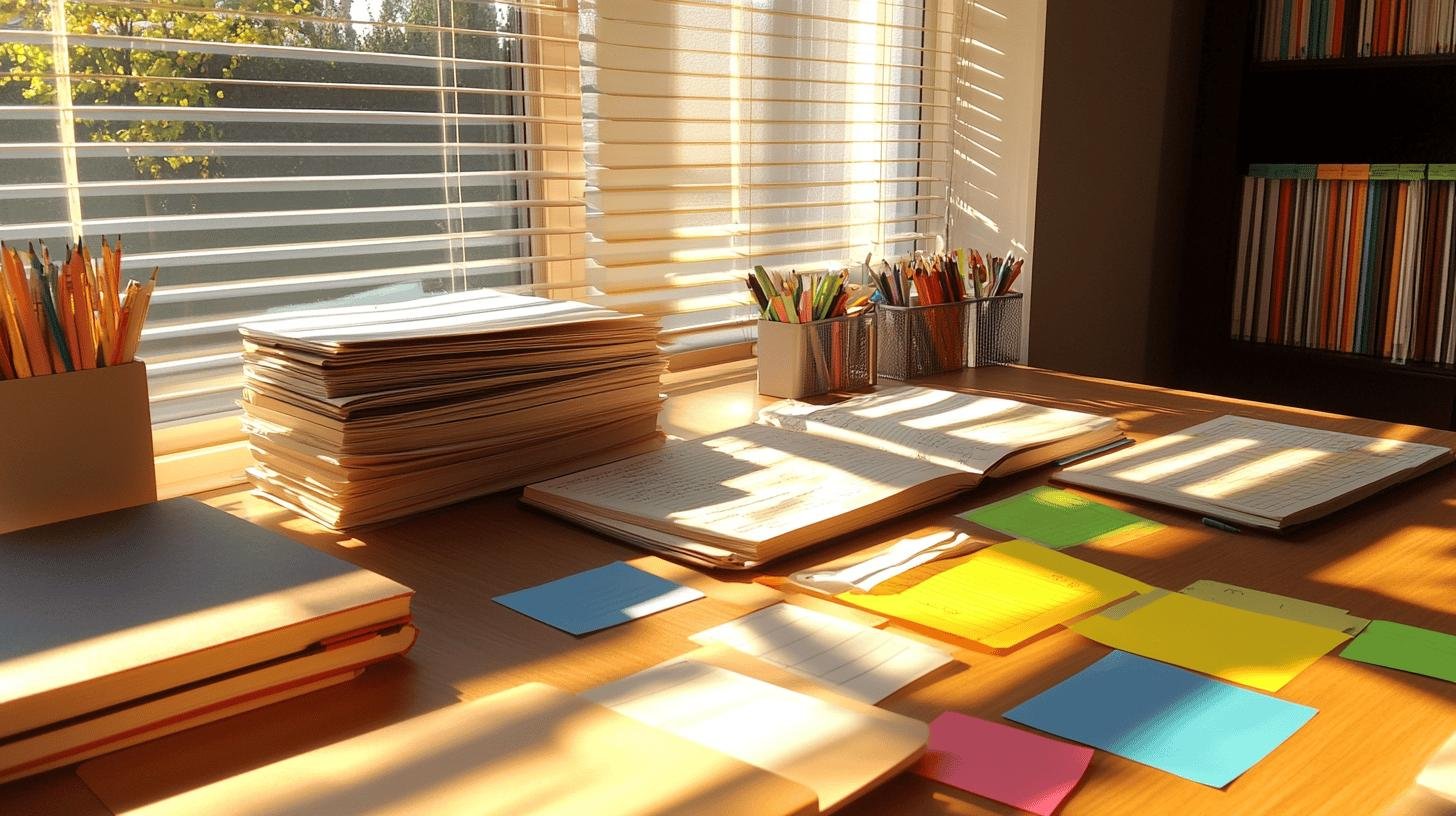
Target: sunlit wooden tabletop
{"points": [[1392, 557]]}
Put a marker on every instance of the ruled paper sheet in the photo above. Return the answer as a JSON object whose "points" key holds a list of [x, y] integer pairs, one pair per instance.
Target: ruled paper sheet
{"points": [[863, 662]]}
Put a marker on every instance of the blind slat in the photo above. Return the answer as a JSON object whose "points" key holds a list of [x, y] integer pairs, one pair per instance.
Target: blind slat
{"points": [[264, 51], [287, 218], [50, 150], [283, 184], [280, 115]]}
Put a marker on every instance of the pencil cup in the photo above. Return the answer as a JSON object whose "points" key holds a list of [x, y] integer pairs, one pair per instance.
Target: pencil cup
{"points": [[996, 331], [804, 359], [74, 444], [917, 341]]}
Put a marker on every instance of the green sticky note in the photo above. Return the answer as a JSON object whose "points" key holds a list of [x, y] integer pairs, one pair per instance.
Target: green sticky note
{"points": [[1408, 648], [1441, 172], [1060, 519], [1259, 171], [1384, 172]]}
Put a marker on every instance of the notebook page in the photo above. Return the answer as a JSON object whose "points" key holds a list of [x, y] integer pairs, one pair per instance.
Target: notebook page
{"points": [[749, 484], [866, 663], [1260, 468], [963, 431]]}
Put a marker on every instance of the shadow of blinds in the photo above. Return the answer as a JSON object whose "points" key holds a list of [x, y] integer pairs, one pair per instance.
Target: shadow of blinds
{"points": [[995, 126], [796, 134]]}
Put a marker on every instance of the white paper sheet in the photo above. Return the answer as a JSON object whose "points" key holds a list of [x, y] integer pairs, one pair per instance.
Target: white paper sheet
{"points": [[866, 663]]}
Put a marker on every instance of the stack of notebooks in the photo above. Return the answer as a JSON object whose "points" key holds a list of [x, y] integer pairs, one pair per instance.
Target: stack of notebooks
{"points": [[361, 415], [806, 473], [125, 626]]}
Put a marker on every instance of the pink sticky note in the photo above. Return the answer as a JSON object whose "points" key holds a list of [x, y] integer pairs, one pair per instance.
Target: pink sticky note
{"points": [[1003, 763]]}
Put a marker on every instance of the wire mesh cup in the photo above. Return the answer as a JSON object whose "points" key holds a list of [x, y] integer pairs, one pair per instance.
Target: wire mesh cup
{"points": [[804, 359], [918, 341], [996, 333]]}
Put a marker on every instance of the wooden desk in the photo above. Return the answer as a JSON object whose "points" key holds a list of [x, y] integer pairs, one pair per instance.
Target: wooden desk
{"points": [[1391, 557]]}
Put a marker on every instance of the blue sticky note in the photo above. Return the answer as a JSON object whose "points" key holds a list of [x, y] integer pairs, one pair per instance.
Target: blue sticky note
{"points": [[1166, 717], [599, 598]]}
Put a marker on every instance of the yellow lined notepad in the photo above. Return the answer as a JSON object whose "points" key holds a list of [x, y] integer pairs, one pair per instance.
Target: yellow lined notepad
{"points": [[1258, 650], [1002, 595]]}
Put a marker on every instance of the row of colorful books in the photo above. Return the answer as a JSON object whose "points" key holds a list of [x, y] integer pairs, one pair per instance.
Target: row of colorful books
{"points": [[1315, 29], [1352, 265], [1303, 29], [1399, 27]]}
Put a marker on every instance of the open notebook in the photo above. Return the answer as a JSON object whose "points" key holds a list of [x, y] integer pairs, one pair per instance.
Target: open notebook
{"points": [[1257, 473], [806, 473]]}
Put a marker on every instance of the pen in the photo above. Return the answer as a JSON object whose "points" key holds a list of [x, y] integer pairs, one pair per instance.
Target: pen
{"points": [[1220, 525]]}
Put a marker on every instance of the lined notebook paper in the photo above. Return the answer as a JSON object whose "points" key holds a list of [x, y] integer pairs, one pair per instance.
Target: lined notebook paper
{"points": [[1002, 595], [866, 663], [1263, 474]]}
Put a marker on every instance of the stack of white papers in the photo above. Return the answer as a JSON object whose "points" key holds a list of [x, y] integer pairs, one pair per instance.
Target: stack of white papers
{"points": [[360, 415]]}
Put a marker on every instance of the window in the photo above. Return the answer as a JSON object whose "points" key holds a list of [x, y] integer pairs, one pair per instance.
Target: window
{"points": [[727, 133], [274, 155]]}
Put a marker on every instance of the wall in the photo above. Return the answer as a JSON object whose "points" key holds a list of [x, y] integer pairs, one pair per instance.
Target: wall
{"points": [[1119, 95], [995, 122]]}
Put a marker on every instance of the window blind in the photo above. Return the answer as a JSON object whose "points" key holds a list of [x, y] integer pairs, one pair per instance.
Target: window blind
{"points": [[727, 133], [274, 155]]}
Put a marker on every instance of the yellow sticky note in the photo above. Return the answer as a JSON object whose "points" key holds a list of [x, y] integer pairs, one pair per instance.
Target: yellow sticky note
{"points": [[1280, 606], [1002, 595], [1258, 650]]}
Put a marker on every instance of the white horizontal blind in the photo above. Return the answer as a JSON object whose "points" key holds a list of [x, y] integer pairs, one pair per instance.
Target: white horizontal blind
{"points": [[269, 159], [727, 133]]}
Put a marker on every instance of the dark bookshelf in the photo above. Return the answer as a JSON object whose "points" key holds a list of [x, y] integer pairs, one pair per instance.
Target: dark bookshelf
{"points": [[1341, 110]]}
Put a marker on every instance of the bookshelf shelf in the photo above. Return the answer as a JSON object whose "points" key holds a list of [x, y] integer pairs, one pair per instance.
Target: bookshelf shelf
{"points": [[1341, 110], [1375, 64], [1340, 359]]}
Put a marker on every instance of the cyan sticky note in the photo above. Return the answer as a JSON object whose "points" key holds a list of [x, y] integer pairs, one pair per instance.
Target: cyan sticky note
{"points": [[598, 598], [1165, 717]]}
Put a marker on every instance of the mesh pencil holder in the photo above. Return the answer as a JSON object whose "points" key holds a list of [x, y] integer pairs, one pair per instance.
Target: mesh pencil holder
{"points": [[918, 341], [804, 359], [996, 331]]}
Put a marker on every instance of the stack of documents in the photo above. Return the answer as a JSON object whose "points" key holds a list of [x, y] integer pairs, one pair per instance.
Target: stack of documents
{"points": [[806, 473], [126, 626], [361, 415]]}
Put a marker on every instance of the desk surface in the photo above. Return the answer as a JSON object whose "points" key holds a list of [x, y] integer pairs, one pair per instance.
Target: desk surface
{"points": [[1393, 557]]}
